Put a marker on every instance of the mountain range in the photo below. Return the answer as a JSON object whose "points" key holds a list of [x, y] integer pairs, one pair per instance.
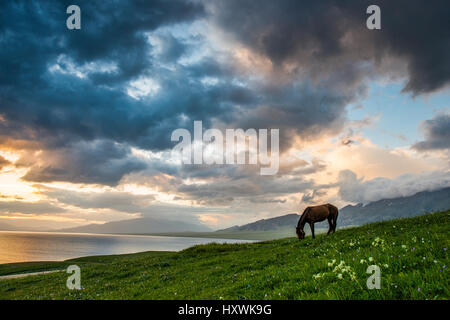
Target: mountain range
{"points": [[143, 225], [350, 215], [402, 207], [354, 215]]}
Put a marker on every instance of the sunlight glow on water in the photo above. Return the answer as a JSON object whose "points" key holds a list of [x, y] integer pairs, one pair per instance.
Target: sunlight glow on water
{"points": [[49, 246]]}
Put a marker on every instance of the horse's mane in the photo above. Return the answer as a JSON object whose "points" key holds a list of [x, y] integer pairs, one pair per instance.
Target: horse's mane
{"points": [[303, 217]]}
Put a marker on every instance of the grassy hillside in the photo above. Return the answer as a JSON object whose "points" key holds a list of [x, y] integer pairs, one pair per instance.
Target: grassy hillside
{"points": [[246, 235], [279, 233], [412, 254], [267, 224]]}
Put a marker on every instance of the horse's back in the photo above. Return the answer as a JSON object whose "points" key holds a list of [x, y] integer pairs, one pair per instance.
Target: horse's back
{"points": [[324, 210], [319, 213]]}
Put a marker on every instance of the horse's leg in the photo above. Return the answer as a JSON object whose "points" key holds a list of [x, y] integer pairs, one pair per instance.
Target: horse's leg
{"points": [[311, 224], [334, 223], [330, 222]]}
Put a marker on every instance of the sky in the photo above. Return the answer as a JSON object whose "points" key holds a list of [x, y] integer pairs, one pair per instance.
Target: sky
{"points": [[86, 116]]}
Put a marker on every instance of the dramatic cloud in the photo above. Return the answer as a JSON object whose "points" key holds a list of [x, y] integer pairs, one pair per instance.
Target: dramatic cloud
{"points": [[354, 189], [33, 33], [100, 162], [57, 85], [437, 134], [329, 38], [228, 189], [97, 106]]}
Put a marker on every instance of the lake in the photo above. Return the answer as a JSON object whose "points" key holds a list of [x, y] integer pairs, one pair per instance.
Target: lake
{"points": [[51, 246]]}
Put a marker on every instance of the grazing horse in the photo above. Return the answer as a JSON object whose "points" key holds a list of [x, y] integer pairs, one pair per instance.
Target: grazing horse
{"points": [[317, 214]]}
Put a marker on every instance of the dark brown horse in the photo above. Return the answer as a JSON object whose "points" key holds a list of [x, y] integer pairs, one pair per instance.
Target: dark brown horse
{"points": [[317, 214]]}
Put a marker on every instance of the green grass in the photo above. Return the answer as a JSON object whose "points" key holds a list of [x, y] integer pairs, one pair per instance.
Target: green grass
{"points": [[28, 267], [412, 254], [246, 235], [283, 232]]}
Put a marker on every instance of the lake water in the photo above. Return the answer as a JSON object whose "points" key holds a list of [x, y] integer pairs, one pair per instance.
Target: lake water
{"points": [[50, 246]]}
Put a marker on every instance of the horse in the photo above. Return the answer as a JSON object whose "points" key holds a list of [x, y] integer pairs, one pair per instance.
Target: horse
{"points": [[317, 214]]}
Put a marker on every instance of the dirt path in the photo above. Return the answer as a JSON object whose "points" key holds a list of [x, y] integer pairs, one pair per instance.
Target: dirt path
{"points": [[21, 275]]}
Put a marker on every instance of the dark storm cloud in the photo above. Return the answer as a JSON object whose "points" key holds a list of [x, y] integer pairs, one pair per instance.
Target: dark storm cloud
{"points": [[226, 190], [437, 134], [58, 107], [100, 162], [324, 36], [34, 32], [172, 48], [298, 109], [229, 184], [77, 120], [69, 108]]}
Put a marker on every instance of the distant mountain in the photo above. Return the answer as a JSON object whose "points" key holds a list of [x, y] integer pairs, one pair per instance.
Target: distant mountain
{"points": [[139, 226], [280, 222], [386, 209]]}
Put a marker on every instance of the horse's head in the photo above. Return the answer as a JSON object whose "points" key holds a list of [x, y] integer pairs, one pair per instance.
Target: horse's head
{"points": [[300, 233]]}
